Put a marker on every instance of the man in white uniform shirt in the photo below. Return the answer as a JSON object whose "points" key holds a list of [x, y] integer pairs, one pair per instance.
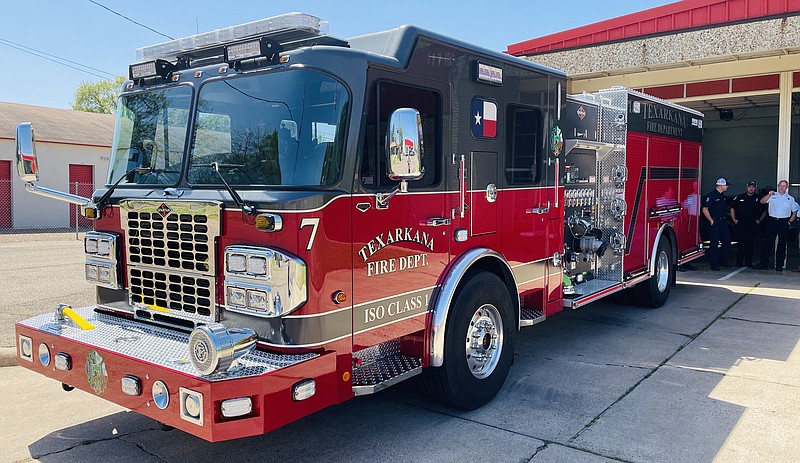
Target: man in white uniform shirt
{"points": [[782, 211]]}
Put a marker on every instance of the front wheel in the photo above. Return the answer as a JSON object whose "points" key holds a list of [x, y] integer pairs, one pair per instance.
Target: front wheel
{"points": [[655, 291], [479, 344]]}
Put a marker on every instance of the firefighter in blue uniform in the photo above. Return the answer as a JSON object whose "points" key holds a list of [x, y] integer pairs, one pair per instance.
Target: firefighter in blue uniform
{"points": [[715, 210], [747, 214]]}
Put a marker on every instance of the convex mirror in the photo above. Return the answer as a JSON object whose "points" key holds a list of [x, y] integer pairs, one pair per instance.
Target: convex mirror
{"points": [[404, 148], [27, 164]]}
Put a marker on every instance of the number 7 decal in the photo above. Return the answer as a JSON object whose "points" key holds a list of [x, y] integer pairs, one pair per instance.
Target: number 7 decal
{"points": [[313, 223]]}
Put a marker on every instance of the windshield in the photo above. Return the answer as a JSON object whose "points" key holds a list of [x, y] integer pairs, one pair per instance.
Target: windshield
{"points": [[150, 133], [284, 129]]}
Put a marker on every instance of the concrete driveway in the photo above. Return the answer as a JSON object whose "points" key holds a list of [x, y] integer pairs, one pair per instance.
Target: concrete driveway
{"points": [[712, 375]]}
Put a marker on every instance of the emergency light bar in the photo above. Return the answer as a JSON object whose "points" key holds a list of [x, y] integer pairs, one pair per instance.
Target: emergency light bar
{"points": [[300, 22]]}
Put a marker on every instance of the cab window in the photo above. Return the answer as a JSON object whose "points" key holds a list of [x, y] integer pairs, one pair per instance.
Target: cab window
{"points": [[384, 99], [523, 150]]}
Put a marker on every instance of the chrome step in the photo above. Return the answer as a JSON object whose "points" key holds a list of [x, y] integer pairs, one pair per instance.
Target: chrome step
{"points": [[381, 366], [530, 317]]}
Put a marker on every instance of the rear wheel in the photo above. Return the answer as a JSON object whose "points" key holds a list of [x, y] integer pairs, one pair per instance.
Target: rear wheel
{"points": [[479, 344], [655, 291]]}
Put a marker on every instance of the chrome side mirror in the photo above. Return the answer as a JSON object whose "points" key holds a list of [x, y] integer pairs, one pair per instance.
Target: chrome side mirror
{"points": [[27, 164], [404, 149]]}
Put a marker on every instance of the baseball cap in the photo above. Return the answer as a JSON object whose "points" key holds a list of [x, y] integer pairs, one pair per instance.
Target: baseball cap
{"points": [[752, 183], [722, 181]]}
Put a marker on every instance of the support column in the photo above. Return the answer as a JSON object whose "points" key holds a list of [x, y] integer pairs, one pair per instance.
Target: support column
{"points": [[784, 126]]}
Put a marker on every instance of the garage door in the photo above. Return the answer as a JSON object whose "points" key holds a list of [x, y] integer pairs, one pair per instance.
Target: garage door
{"points": [[6, 220], [81, 183]]}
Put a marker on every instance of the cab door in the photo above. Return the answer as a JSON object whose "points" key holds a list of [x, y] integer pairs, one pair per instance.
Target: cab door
{"points": [[400, 247]]}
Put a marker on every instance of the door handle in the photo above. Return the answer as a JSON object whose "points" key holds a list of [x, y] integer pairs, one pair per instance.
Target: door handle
{"points": [[537, 210], [436, 222]]}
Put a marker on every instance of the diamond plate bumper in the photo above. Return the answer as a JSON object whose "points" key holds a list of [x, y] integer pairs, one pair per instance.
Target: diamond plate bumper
{"points": [[121, 348]]}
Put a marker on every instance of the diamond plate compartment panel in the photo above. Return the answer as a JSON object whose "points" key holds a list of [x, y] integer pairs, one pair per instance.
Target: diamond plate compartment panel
{"points": [[159, 346], [609, 267]]}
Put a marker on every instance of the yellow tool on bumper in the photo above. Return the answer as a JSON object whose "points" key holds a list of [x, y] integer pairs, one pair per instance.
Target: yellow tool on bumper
{"points": [[81, 322]]}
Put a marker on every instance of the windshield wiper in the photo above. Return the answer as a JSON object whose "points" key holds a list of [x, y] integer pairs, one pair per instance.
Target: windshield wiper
{"points": [[139, 170], [216, 166]]}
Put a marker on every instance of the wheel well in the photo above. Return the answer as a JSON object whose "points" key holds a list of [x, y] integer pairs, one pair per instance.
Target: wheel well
{"points": [[667, 233], [492, 265], [477, 259]]}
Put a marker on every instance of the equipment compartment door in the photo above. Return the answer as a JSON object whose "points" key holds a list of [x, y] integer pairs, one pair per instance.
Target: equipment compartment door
{"points": [[484, 211]]}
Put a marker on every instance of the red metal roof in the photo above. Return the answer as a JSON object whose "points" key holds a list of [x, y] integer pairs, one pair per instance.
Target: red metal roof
{"points": [[686, 14]]}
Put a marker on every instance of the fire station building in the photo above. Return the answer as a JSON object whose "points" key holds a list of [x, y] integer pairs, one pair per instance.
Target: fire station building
{"points": [[737, 61], [73, 149]]}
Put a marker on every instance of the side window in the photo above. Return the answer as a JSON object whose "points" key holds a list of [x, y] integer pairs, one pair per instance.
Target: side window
{"points": [[383, 100], [523, 149]]}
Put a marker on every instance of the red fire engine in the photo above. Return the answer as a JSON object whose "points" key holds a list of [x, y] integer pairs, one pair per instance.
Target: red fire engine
{"points": [[291, 220]]}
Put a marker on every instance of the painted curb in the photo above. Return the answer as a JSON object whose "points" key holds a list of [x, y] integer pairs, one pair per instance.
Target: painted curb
{"points": [[8, 356]]}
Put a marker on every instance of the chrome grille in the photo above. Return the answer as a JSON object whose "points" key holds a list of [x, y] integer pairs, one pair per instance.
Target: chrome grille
{"points": [[178, 241], [189, 294], [171, 261]]}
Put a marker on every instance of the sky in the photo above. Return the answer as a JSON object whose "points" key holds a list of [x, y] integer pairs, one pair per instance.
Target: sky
{"points": [[101, 44]]}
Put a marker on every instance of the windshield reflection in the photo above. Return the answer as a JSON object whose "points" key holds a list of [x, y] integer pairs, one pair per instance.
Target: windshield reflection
{"points": [[150, 132], [282, 129]]}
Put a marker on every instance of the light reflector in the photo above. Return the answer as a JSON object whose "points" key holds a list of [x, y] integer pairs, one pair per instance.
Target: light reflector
{"points": [[304, 390], [131, 385], [232, 408], [63, 362]]}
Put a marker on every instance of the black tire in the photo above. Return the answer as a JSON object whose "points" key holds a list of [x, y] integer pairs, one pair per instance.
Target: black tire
{"points": [[655, 291], [472, 374]]}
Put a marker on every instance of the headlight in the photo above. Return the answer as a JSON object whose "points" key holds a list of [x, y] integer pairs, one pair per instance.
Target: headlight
{"points": [[104, 247], [237, 263], [101, 259], [257, 265], [263, 281], [105, 275], [91, 272], [90, 245], [257, 300], [237, 296]]}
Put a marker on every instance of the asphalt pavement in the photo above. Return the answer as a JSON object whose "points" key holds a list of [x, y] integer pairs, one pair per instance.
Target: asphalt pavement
{"points": [[714, 375]]}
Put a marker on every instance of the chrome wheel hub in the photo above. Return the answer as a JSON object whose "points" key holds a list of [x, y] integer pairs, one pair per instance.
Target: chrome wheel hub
{"points": [[484, 342], [662, 271]]}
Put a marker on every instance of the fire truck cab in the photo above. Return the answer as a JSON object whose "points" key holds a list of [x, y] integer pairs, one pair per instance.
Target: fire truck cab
{"points": [[291, 220]]}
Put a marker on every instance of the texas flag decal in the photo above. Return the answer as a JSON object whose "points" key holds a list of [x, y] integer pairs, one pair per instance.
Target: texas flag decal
{"points": [[484, 118]]}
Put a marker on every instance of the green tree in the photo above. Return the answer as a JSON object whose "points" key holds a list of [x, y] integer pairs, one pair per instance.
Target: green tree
{"points": [[98, 97]]}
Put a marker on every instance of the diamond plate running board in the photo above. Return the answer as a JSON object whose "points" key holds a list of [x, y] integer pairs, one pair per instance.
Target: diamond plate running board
{"points": [[530, 317], [384, 372]]}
